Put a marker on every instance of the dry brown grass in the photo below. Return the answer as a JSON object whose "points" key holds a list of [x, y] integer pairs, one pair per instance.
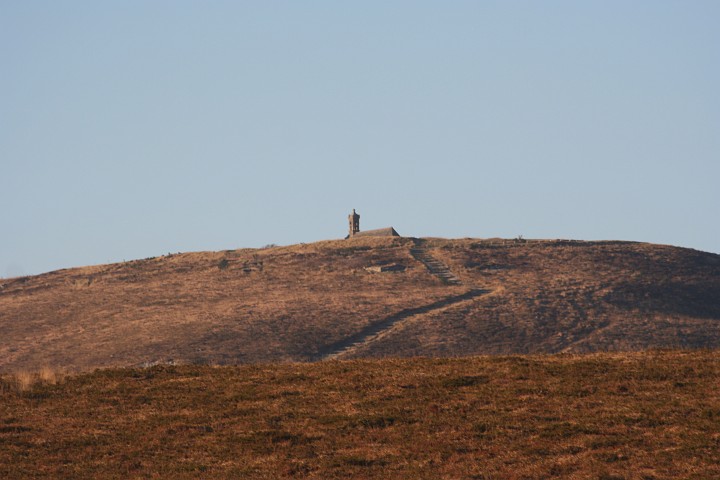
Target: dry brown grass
{"points": [[24, 381], [276, 304], [570, 296], [645, 416], [49, 375], [289, 303]]}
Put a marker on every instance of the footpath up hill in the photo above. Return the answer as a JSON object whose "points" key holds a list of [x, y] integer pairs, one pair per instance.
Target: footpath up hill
{"points": [[364, 297]]}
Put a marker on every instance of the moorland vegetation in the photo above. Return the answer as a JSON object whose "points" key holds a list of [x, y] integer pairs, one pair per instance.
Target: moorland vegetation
{"points": [[609, 416], [299, 303]]}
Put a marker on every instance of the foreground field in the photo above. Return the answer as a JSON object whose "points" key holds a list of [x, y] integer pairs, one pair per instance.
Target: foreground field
{"points": [[606, 416]]}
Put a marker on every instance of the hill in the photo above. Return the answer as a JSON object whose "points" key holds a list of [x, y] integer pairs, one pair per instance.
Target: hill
{"points": [[363, 297], [650, 415]]}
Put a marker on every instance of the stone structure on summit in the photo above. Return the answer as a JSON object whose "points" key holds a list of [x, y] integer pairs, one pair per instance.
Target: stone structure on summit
{"points": [[354, 220], [354, 229]]}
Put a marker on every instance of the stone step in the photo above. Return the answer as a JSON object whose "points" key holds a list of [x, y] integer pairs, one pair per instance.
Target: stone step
{"points": [[435, 266]]}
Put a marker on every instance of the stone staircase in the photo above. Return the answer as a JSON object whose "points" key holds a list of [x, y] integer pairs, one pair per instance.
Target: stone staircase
{"points": [[376, 330], [434, 266], [382, 327]]}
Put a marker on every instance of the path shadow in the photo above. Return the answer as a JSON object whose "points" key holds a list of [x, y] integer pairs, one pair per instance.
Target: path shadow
{"points": [[377, 327]]}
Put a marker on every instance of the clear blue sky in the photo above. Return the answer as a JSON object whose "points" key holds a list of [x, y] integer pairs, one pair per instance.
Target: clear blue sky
{"points": [[131, 129]]}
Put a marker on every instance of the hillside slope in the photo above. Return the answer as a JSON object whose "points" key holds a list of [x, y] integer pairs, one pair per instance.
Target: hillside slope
{"points": [[318, 301]]}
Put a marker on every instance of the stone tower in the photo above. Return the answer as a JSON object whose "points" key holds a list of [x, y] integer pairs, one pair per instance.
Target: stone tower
{"points": [[354, 220]]}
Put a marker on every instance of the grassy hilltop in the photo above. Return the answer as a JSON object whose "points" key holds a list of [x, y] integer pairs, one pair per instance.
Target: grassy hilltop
{"points": [[652, 415], [315, 301]]}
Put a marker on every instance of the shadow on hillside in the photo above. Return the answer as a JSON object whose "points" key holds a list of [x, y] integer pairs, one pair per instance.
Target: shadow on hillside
{"points": [[694, 300]]}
